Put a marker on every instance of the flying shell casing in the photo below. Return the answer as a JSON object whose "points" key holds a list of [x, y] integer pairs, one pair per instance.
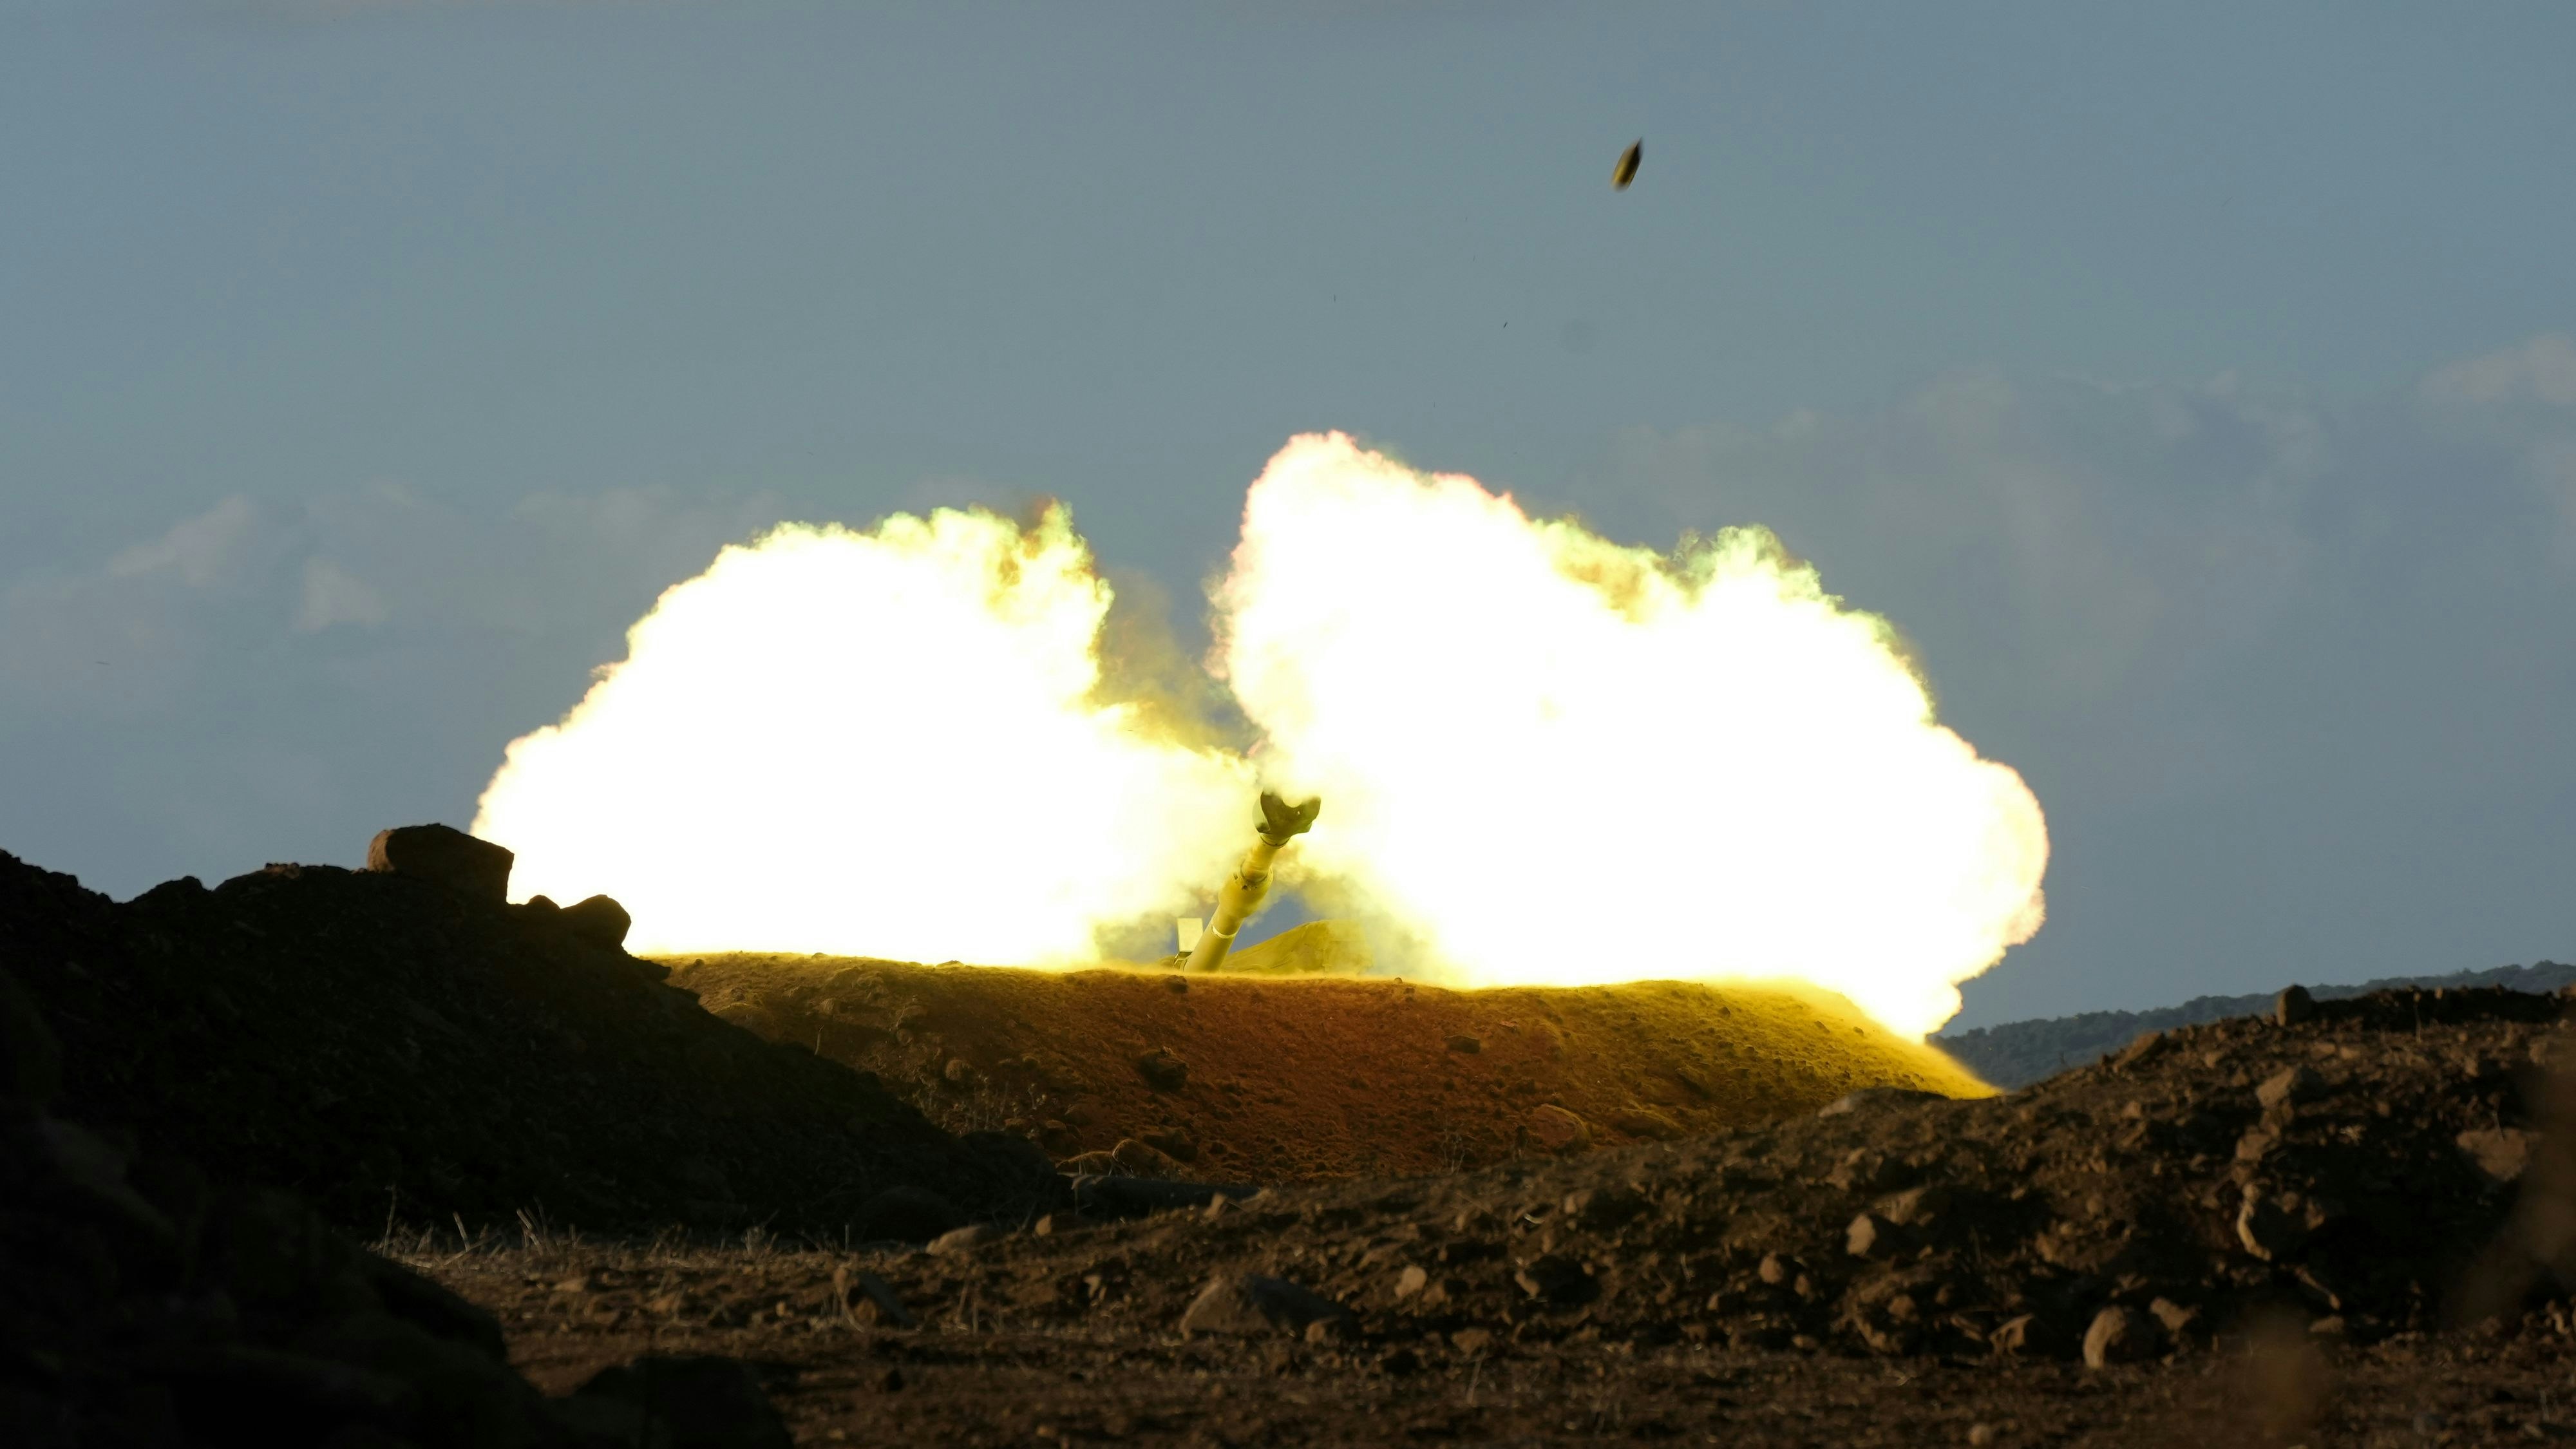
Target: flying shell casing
{"points": [[1626, 170]]}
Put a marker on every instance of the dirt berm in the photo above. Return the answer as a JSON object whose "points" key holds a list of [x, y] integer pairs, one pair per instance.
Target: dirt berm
{"points": [[1277, 1079], [391, 1049]]}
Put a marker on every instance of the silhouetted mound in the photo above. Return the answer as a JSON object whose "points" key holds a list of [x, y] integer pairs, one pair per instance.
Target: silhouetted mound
{"points": [[389, 1045], [141, 1306], [1277, 1079], [2018, 1053]]}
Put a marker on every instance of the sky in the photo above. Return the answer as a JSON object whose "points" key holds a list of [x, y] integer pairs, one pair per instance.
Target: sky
{"points": [[2191, 384]]}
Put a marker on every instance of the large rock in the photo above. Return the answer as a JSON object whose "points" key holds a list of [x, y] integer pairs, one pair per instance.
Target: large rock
{"points": [[445, 855], [598, 918], [2294, 1006]]}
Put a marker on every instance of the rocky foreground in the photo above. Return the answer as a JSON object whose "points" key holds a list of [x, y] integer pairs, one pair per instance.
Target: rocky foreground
{"points": [[2341, 1222], [2347, 1222]]}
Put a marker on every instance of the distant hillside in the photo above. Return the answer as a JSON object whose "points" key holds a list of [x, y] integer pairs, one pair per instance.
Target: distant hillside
{"points": [[2018, 1053]]}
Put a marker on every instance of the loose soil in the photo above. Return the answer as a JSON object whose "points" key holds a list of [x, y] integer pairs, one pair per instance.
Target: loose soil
{"points": [[1270, 1079]]}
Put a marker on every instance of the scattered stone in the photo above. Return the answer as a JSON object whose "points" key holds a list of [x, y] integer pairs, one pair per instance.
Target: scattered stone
{"points": [[1599, 1208], [2119, 1335], [1143, 1160], [1472, 1342], [2500, 1154], [1774, 1269], [867, 1299], [2289, 1086], [1410, 1282], [2145, 1047], [446, 856], [1249, 1304], [1465, 1044], [1916, 1206], [1647, 1123], [961, 1074], [1867, 1237], [1557, 1130], [1177, 985], [1557, 1281], [1862, 1170], [2273, 1226], [2021, 1336], [957, 1242], [2175, 1319], [1162, 1071], [1172, 1143]]}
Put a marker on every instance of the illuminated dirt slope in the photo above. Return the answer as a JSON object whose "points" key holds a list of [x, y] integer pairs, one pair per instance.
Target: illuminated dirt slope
{"points": [[1287, 1079]]}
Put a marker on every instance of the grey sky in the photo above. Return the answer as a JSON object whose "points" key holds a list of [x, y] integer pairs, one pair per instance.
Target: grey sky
{"points": [[2190, 382]]}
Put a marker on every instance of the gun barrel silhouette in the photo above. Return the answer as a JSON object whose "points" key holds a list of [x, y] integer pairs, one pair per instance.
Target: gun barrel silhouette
{"points": [[1242, 893]]}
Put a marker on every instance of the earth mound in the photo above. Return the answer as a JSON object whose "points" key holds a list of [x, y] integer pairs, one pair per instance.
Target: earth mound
{"points": [[1267, 1079], [390, 1048]]}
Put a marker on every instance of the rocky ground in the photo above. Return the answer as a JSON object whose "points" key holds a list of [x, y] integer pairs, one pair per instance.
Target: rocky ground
{"points": [[2255, 1231], [2341, 1222], [2018, 1053]]}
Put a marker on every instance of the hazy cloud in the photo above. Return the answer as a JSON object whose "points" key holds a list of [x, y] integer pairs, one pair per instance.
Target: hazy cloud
{"points": [[333, 595], [199, 551], [260, 679]]}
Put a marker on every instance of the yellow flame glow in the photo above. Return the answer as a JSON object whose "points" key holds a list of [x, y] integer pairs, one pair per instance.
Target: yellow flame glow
{"points": [[882, 743], [1550, 759]]}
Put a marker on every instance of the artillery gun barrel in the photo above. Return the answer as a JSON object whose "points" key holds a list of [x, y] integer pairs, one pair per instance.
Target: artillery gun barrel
{"points": [[1242, 893]]}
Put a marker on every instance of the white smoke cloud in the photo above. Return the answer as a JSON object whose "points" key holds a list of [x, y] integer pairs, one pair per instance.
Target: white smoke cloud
{"points": [[884, 743], [1555, 759]]}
